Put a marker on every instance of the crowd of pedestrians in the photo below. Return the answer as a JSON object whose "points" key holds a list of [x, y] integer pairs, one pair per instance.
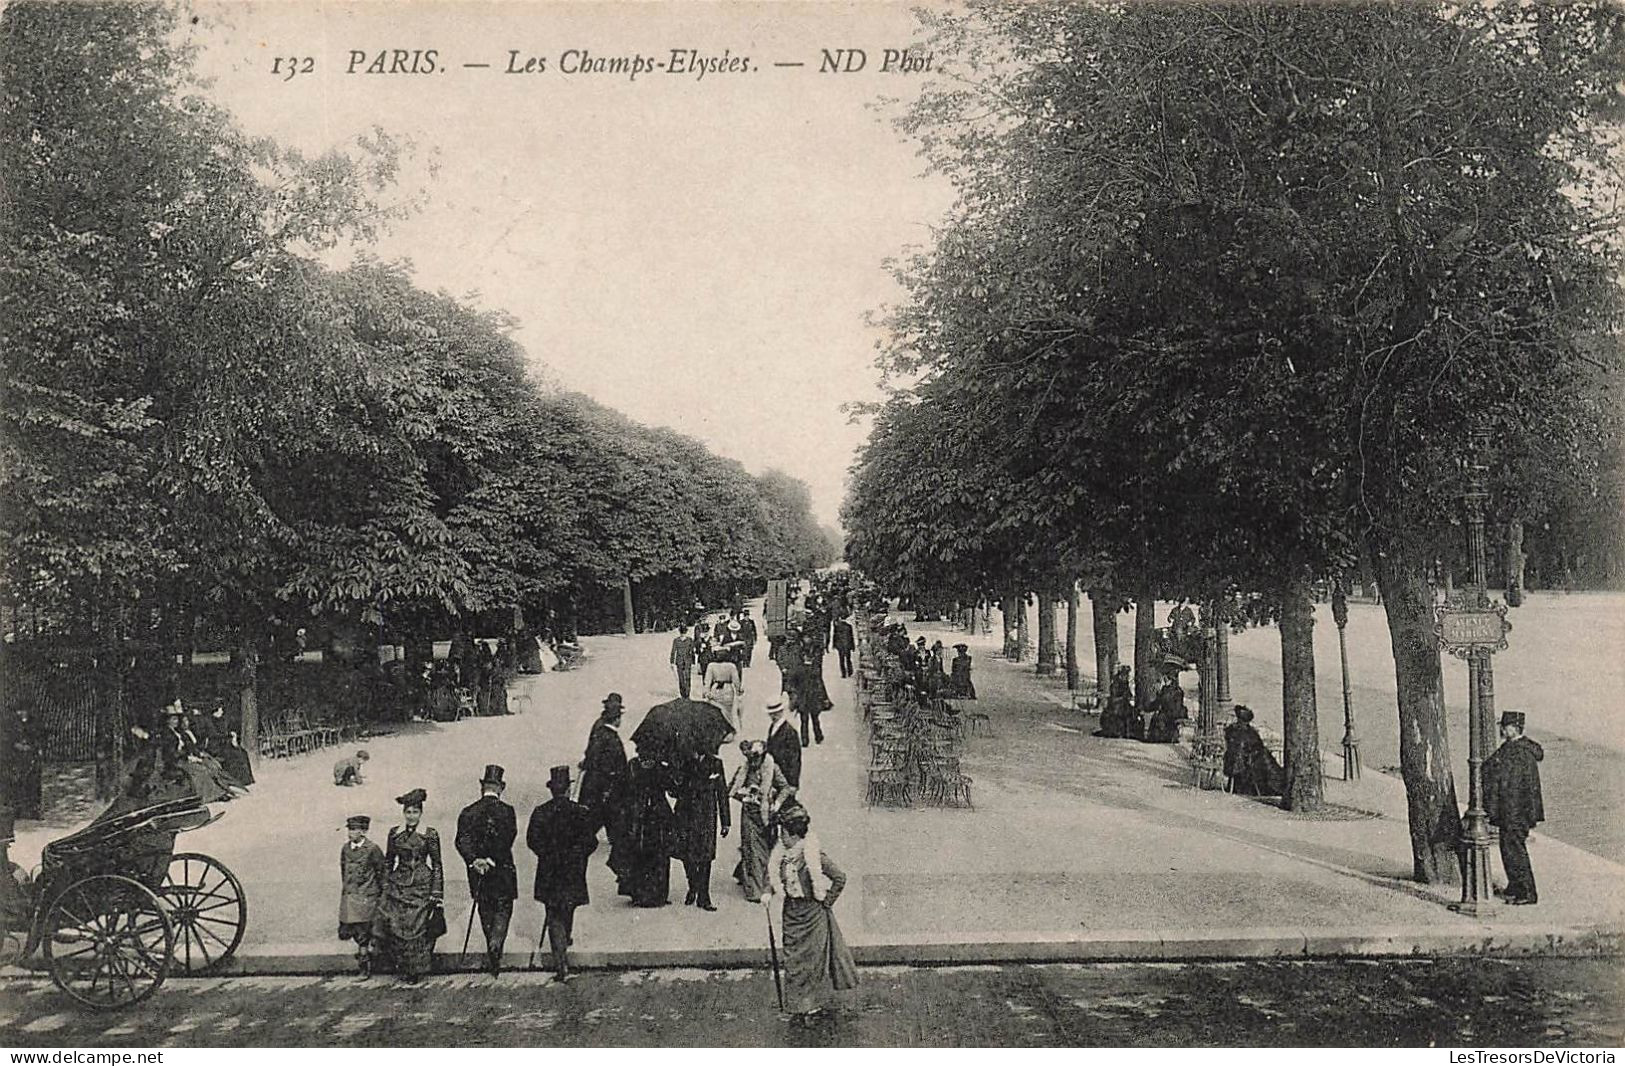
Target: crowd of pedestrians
{"points": [[657, 795]]}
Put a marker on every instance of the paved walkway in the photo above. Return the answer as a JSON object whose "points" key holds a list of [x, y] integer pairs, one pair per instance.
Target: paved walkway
{"points": [[1406, 1003], [1078, 847]]}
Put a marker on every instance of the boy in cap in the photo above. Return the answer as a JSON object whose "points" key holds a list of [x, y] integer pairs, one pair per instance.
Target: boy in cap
{"points": [[1512, 800], [562, 833], [485, 832], [361, 884]]}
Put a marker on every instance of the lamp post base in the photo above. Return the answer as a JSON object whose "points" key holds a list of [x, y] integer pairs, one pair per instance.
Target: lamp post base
{"points": [[1351, 758], [1477, 884]]}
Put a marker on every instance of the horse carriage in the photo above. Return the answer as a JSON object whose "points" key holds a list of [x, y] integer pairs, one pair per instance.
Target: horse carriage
{"points": [[116, 909]]}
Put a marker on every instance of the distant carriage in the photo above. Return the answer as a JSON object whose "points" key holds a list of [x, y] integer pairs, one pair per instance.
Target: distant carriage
{"points": [[116, 909]]}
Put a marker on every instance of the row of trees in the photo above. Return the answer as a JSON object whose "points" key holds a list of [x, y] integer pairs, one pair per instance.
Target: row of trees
{"points": [[1225, 293], [205, 424]]}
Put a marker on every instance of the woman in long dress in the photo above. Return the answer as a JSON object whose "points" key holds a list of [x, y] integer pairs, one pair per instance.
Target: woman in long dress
{"points": [[723, 688], [761, 789], [816, 958], [414, 888], [652, 832], [1248, 763]]}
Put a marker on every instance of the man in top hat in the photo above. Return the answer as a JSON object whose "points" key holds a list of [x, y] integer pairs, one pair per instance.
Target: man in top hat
{"points": [[783, 746], [1512, 799], [562, 833], [485, 832], [604, 783]]}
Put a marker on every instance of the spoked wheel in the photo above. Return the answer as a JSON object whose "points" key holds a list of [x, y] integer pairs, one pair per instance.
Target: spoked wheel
{"points": [[108, 942], [207, 905]]}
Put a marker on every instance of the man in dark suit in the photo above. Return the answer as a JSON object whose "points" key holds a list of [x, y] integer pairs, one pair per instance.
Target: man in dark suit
{"points": [[844, 641], [1512, 799], [682, 661], [563, 834], [747, 633], [485, 834], [782, 743], [604, 784]]}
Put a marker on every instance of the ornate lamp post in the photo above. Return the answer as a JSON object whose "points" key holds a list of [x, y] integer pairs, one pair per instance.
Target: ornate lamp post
{"points": [[1351, 741], [1472, 628]]}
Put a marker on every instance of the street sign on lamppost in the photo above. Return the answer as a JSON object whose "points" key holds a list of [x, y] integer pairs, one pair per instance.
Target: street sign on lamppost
{"points": [[1470, 627], [1351, 742]]}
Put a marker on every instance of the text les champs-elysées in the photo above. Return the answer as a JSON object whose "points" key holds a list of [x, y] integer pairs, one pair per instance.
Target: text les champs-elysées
{"points": [[688, 62]]}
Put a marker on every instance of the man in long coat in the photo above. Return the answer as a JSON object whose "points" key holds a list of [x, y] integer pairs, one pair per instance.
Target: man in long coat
{"points": [[1512, 798], [604, 784], [783, 746], [485, 832], [748, 633], [21, 762], [562, 833], [682, 661], [702, 800], [844, 641]]}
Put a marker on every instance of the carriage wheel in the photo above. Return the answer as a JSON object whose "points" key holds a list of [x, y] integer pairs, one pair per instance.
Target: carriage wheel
{"points": [[210, 912], [109, 941]]}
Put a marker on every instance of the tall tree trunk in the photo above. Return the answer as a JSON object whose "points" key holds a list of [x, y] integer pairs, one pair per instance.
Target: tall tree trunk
{"points": [[247, 658], [1145, 624], [1515, 561], [1022, 633], [1103, 619], [110, 727], [1424, 744], [1072, 635], [1301, 727], [1046, 633], [631, 621]]}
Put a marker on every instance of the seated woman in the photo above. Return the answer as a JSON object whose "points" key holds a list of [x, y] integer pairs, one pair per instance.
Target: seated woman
{"points": [[1117, 720], [1248, 764], [960, 686], [183, 761], [214, 737], [1167, 712]]}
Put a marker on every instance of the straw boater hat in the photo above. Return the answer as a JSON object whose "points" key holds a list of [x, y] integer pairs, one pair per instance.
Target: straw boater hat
{"points": [[775, 707]]}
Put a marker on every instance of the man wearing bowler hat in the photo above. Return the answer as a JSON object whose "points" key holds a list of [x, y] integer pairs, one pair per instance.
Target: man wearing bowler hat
{"points": [[604, 784], [1512, 798], [485, 832], [563, 834]]}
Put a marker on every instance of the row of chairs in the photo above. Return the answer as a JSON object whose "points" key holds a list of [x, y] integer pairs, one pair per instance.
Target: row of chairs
{"points": [[914, 748], [292, 733]]}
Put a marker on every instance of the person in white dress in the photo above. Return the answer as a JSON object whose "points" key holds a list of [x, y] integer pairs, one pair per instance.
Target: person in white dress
{"points": [[723, 688]]}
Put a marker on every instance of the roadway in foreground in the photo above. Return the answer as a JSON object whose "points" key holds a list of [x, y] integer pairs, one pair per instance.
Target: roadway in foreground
{"points": [[1546, 1003]]}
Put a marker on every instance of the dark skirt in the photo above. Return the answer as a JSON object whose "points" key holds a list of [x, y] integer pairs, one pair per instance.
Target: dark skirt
{"points": [[816, 958]]}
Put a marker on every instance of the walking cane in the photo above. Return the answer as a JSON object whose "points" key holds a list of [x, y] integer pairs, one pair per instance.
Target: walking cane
{"points": [[773, 956], [470, 931]]}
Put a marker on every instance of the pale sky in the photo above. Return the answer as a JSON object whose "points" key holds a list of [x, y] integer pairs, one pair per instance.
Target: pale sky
{"points": [[696, 253]]}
